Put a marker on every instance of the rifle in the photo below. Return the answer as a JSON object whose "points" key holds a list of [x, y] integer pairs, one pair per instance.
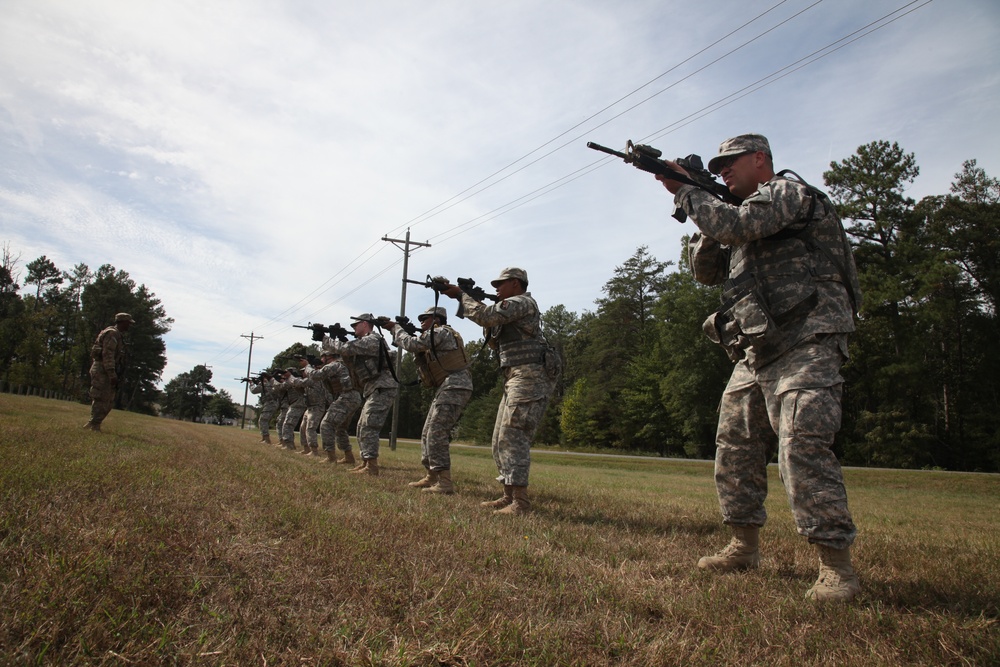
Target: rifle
{"points": [[406, 325], [647, 158], [334, 331], [253, 379], [467, 285]]}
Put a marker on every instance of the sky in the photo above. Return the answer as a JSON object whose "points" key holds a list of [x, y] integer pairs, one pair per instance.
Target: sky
{"points": [[245, 159]]}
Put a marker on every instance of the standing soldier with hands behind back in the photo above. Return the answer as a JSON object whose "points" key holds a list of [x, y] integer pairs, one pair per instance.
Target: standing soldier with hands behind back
{"points": [[441, 363], [108, 354], [513, 327], [790, 294]]}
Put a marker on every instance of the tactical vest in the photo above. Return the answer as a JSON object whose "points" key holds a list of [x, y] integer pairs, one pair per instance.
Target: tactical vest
{"points": [[773, 282], [521, 342], [434, 366]]}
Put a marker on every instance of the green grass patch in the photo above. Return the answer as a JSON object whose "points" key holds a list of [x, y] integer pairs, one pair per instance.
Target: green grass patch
{"points": [[163, 542]]}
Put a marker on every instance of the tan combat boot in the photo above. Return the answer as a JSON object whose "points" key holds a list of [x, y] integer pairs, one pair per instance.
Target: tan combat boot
{"points": [[348, 458], [428, 480], [837, 581], [742, 552], [266, 439], [442, 484], [506, 499], [92, 426], [519, 502], [371, 467], [331, 456], [361, 466]]}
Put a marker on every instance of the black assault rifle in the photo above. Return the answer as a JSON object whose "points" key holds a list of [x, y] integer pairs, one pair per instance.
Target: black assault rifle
{"points": [[467, 285], [406, 325], [648, 159], [334, 330], [255, 378]]}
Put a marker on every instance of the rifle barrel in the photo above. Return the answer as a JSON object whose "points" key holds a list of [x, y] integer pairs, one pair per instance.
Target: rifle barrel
{"points": [[605, 149]]}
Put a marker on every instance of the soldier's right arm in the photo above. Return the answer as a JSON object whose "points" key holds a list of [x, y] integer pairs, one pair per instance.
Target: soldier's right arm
{"points": [[709, 259]]}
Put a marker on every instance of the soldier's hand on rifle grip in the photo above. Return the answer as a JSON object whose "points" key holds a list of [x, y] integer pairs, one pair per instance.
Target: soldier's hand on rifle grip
{"points": [[669, 183]]}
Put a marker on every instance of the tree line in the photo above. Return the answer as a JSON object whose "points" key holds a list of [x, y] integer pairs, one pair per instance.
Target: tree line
{"points": [[47, 332], [921, 385]]}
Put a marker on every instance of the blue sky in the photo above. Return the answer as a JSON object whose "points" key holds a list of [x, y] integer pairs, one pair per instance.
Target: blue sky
{"points": [[244, 159]]}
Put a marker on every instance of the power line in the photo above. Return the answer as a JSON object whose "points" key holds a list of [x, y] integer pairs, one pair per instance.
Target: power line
{"points": [[560, 182]]}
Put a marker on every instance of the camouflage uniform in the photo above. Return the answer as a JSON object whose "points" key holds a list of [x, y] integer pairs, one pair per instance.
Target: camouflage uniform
{"points": [[315, 395], [336, 381], [296, 409], [454, 389], [108, 354], [280, 391], [790, 294], [371, 369], [268, 405], [514, 326]]}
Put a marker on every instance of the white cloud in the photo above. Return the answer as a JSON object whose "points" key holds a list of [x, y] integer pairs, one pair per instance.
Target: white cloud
{"points": [[244, 159]]}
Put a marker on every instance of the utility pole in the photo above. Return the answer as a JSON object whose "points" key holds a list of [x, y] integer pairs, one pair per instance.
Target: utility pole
{"points": [[402, 311], [246, 389]]}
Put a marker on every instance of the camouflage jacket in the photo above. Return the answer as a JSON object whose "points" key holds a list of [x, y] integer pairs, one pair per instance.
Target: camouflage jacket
{"points": [[368, 360], [784, 261], [427, 350], [512, 326], [109, 350], [266, 390]]}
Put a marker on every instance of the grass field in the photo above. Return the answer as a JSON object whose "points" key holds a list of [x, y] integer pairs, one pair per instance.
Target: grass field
{"points": [[163, 542]]}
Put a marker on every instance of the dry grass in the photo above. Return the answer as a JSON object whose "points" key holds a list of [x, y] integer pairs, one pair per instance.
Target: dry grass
{"points": [[162, 542]]}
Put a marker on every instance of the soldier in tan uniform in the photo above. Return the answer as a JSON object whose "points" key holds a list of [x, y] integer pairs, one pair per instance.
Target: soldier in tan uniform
{"points": [[108, 355], [789, 299], [513, 327], [442, 364]]}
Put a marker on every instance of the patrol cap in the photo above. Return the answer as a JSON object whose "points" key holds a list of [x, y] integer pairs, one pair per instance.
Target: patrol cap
{"points": [[436, 311], [511, 272], [744, 143], [363, 317], [124, 317]]}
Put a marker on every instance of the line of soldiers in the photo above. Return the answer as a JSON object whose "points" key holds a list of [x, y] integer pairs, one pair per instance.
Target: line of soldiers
{"points": [[358, 375]]}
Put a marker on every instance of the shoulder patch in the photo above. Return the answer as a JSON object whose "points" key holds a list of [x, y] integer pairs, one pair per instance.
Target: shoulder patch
{"points": [[761, 196]]}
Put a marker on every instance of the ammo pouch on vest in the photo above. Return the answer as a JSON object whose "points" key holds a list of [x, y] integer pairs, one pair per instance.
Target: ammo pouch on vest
{"points": [[741, 319], [520, 352], [433, 369], [748, 318]]}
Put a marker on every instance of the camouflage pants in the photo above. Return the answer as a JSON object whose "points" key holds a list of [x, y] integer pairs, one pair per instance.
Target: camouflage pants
{"points": [[373, 415], [264, 423], [435, 440], [310, 425], [102, 394], [526, 392], [333, 428], [279, 425], [792, 405], [292, 418]]}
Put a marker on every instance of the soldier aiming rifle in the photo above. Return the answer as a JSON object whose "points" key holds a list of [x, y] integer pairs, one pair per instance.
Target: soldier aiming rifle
{"points": [[319, 330], [441, 284], [647, 158]]}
